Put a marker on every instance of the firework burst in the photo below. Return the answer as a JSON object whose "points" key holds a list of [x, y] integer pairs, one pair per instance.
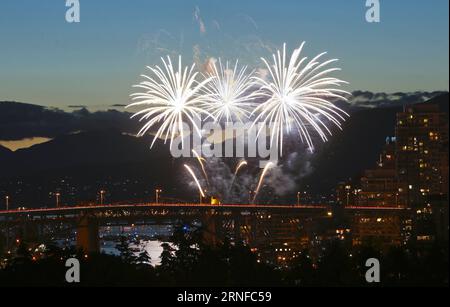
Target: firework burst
{"points": [[170, 97], [298, 96], [229, 93], [191, 172], [261, 179], [240, 165], [201, 161]]}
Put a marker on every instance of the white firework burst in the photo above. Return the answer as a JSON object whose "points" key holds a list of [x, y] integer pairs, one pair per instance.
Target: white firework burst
{"points": [[171, 96], [298, 95], [230, 92]]}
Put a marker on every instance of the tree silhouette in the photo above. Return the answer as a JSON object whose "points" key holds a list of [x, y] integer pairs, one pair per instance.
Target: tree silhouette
{"points": [[125, 252], [144, 258]]}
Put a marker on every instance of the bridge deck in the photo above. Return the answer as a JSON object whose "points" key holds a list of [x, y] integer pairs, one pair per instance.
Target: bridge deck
{"points": [[74, 209], [154, 206]]}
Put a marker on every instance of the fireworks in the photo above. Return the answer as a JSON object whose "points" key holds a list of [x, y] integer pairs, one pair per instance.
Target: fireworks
{"points": [[229, 93], [170, 97], [261, 179], [297, 93], [201, 162], [195, 179], [240, 165]]}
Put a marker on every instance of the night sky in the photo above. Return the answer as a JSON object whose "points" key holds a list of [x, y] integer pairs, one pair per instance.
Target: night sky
{"points": [[47, 61]]}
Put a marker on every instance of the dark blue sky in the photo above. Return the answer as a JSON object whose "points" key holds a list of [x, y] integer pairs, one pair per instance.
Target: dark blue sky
{"points": [[47, 61]]}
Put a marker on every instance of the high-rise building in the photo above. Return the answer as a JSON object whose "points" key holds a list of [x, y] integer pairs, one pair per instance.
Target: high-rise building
{"points": [[422, 152], [380, 186], [422, 164], [412, 173]]}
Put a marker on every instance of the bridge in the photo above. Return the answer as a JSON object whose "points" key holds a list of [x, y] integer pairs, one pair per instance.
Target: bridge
{"points": [[257, 225], [169, 206]]}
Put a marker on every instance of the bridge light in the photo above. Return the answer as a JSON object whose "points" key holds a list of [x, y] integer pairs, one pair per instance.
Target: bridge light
{"points": [[7, 202], [57, 195], [102, 193]]}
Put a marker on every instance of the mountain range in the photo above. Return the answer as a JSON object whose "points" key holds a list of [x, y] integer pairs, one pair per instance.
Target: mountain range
{"points": [[101, 144]]}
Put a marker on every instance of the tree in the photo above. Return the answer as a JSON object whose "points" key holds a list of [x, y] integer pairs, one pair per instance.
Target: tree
{"points": [[336, 267], [302, 272], [22, 252], [144, 258], [125, 252], [166, 256]]}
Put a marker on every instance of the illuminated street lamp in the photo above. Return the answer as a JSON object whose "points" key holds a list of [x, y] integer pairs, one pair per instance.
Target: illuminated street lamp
{"points": [[298, 198], [102, 195], [57, 196], [157, 195], [7, 202]]}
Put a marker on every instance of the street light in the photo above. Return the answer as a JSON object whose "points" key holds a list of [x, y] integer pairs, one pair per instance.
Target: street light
{"points": [[102, 193], [7, 202], [57, 195], [298, 198], [157, 193]]}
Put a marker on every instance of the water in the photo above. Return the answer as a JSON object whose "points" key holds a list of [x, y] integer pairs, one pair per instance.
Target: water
{"points": [[153, 248], [149, 238]]}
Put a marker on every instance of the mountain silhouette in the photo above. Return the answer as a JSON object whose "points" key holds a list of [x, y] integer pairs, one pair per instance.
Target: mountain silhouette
{"points": [[103, 149], [4, 151], [84, 150], [21, 120]]}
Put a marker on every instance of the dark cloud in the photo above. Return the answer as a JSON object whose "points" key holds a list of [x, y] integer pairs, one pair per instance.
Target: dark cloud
{"points": [[375, 100], [20, 120]]}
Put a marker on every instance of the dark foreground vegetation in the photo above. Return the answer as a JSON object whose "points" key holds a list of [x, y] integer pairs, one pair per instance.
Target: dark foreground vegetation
{"points": [[190, 263]]}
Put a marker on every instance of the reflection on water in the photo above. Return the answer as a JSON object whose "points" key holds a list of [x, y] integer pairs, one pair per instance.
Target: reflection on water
{"points": [[149, 238], [153, 248]]}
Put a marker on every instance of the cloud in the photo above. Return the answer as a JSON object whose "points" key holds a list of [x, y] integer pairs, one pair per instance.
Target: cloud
{"points": [[368, 99], [19, 121]]}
